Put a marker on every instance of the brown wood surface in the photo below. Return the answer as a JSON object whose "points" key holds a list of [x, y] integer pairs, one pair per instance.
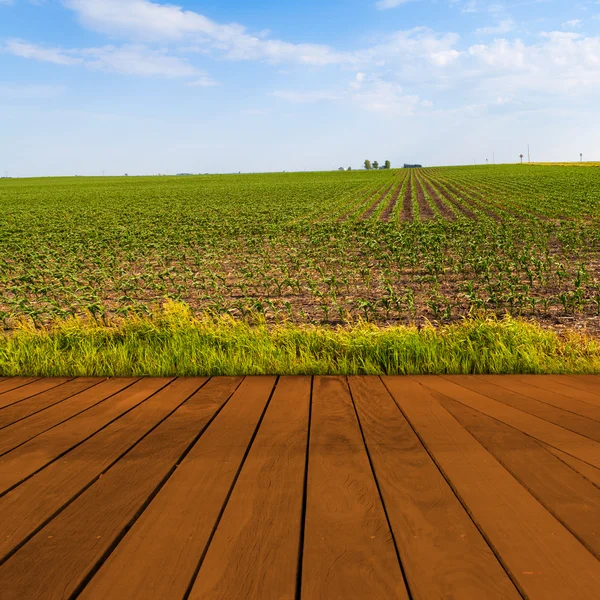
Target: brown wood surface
{"points": [[11, 383], [453, 487], [527, 388], [59, 557], [30, 505], [543, 558], [433, 532], [592, 474], [558, 385], [567, 441], [26, 408], [31, 389], [25, 460], [18, 433], [260, 530], [173, 532], [573, 500], [348, 547], [566, 419]]}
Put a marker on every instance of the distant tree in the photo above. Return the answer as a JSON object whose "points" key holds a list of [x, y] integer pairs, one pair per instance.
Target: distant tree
{"points": [[388, 164], [368, 165], [349, 168], [375, 164]]}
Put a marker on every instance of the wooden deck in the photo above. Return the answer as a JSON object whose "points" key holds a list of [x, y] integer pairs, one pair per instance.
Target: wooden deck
{"points": [[328, 488]]}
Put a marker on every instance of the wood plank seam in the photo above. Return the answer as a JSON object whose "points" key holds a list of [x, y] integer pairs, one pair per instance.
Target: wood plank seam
{"points": [[156, 491], [32, 383], [118, 391], [233, 483], [35, 412], [59, 456], [385, 511], [544, 418], [304, 497], [24, 383], [88, 485], [455, 492]]}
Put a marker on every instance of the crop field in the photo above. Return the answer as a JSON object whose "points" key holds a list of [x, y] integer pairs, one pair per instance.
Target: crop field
{"points": [[388, 246]]}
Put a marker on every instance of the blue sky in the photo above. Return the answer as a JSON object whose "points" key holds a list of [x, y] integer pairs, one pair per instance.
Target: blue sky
{"points": [[145, 87]]}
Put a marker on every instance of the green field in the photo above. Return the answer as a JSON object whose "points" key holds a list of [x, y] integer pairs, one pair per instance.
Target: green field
{"points": [[389, 247]]}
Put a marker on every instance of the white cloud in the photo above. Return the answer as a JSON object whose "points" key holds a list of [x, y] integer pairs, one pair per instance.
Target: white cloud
{"points": [[150, 21], [6, 2], [52, 55], [503, 26], [385, 4], [30, 91], [573, 23], [305, 96], [132, 59]]}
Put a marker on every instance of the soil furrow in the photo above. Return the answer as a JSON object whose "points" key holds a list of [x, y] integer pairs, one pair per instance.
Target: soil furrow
{"points": [[385, 215], [425, 211], [461, 207], [445, 211], [375, 204], [407, 208], [345, 216]]}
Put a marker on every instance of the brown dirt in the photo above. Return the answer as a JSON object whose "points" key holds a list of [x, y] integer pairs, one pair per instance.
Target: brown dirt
{"points": [[389, 209], [454, 201], [425, 211], [441, 205], [375, 204], [407, 207]]}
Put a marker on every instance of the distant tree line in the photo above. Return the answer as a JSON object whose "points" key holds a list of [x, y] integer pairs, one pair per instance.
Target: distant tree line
{"points": [[375, 165], [412, 166]]}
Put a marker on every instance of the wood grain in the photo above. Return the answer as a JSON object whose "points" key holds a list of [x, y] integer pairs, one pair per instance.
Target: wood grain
{"points": [[573, 500], [568, 441], [543, 558], [562, 417], [55, 562], [433, 531], [159, 555], [348, 547], [19, 433], [25, 460], [255, 549]]}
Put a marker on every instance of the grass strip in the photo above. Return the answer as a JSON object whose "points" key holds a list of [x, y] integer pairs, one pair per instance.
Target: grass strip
{"points": [[174, 342]]}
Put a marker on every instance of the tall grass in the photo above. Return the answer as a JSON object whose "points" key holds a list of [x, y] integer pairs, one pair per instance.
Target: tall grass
{"points": [[173, 342]]}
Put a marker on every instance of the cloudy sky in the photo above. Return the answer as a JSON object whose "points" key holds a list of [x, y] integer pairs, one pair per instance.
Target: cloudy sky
{"points": [[142, 86]]}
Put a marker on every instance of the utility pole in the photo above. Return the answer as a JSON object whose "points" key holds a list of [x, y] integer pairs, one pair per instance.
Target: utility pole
{"points": [[528, 158], [581, 157], [521, 157]]}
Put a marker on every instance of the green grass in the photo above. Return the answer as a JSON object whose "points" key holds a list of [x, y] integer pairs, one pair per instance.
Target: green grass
{"points": [[174, 342]]}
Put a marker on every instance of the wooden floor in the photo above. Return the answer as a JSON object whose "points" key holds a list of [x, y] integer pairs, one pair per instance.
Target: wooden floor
{"points": [[463, 487]]}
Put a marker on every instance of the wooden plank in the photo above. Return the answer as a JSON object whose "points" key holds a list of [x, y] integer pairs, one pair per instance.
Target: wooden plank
{"points": [[254, 552], [11, 383], [433, 532], [18, 433], [582, 383], [160, 553], [592, 474], [349, 551], [526, 389], [557, 385], [55, 562], [39, 402], [572, 443], [573, 500], [30, 505], [563, 418], [542, 557], [25, 460], [31, 389]]}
